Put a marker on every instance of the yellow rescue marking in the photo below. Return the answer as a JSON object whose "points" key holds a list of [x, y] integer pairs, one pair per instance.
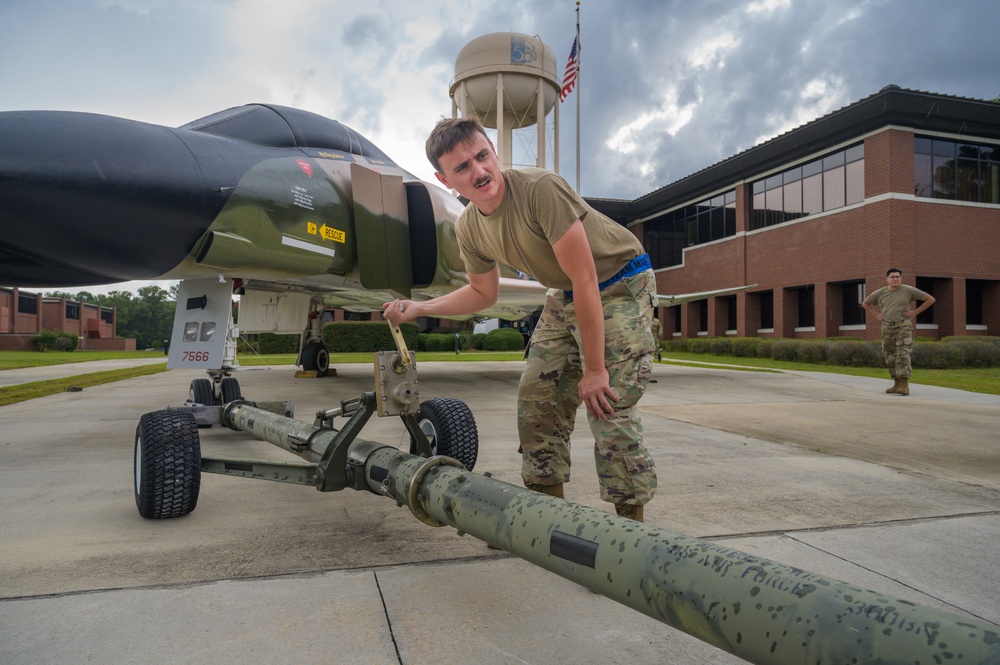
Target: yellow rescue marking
{"points": [[326, 232], [336, 235]]}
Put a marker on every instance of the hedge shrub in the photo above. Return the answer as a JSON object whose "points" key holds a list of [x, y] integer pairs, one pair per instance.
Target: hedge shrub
{"points": [[855, 354], [949, 353], [366, 336], [55, 340], [503, 339], [268, 343], [932, 355]]}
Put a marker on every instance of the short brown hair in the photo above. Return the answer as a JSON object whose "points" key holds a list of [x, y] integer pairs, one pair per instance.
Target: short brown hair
{"points": [[449, 133]]}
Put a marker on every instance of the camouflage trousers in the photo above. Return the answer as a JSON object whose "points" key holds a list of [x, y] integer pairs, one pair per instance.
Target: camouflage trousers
{"points": [[548, 396], [897, 340]]}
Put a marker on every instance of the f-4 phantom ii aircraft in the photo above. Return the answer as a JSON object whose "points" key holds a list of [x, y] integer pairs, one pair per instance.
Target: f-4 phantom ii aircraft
{"points": [[293, 211]]}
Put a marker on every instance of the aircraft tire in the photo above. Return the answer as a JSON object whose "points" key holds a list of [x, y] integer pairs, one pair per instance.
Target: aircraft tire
{"points": [[453, 428], [200, 392], [316, 358], [167, 464], [230, 390]]}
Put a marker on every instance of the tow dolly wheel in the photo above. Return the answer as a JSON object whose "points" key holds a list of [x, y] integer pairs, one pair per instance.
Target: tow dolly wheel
{"points": [[167, 464], [450, 426]]}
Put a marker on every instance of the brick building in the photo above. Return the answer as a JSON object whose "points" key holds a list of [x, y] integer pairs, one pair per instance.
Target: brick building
{"points": [[814, 217], [24, 314]]}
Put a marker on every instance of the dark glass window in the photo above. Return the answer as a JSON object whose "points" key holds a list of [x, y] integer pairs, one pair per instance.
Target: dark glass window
{"points": [[730, 312], [667, 235], [836, 180], [855, 182], [834, 188], [805, 297], [27, 304], [758, 216], [960, 171], [973, 302], [766, 309], [812, 195], [702, 315], [73, 311], [926, 284], [923, 183], [852, 293], [107, 315], [793, 199], [730, 213]]}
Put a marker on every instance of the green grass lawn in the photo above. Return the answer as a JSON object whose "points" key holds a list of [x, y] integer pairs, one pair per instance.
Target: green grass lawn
{"points": [[973, 380], [19, 359]]}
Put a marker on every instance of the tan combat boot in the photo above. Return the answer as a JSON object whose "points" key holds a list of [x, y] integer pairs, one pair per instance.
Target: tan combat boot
{"points": [[895, 387], [631, 512], [904, 387], [552, 490]]}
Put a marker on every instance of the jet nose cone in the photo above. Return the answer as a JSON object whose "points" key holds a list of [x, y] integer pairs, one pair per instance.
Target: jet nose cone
{"points": [[90, 199]]}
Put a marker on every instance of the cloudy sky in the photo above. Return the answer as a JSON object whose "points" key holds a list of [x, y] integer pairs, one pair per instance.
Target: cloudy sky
{"points": [[668, 87]]}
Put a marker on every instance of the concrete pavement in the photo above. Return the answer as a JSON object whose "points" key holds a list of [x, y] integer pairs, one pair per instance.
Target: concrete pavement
{"points": [[822, 472]]}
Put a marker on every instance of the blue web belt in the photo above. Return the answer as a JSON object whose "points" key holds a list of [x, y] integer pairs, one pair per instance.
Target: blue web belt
{"points": [[637, 265]]}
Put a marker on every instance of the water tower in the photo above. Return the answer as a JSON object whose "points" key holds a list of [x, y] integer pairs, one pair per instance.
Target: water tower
{"points": [[507, 80]]}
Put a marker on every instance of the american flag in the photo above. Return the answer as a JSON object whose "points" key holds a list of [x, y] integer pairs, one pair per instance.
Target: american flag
{"points": [[572, 69]]}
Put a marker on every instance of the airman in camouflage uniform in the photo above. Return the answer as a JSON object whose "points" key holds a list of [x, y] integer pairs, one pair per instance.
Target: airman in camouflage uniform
{"points": [[593, 344], [892, 305], [548, 400]]}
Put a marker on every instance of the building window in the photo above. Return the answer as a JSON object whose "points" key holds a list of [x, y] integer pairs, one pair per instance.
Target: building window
{"points": [[852, 295], [956, 171], [926, 284], [828, 183], [27, 304], [73, 311], [702, 316], [666, 235], [730, 312], [107, 315], [766, 309], [805, 297], [973, 302]]}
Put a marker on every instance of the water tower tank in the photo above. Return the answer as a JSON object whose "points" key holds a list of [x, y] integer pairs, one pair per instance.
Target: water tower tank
{"points": [[508, 72], [522, 60]]}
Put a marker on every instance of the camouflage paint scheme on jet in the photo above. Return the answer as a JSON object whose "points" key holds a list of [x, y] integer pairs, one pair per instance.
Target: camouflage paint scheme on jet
{"points": [[294, 211]]}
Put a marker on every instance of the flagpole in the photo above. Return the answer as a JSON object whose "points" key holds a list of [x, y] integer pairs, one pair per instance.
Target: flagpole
{"points": [[579, 74]]}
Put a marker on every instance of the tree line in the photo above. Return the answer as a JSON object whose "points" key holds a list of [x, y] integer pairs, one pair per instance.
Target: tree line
{"points": [[146, 315]]}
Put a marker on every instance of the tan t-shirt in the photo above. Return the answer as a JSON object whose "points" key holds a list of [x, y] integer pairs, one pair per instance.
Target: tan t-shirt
{"points": [[892, 304], [538, 207]]}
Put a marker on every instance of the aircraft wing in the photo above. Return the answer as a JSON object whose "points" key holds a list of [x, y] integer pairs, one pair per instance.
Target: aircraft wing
{"points": [[667, 300]]}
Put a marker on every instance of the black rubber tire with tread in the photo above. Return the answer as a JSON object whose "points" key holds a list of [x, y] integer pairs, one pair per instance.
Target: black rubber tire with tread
{"points": [[229, 390], [316, 358], [455, 428], [167, 464], [201, 392]]}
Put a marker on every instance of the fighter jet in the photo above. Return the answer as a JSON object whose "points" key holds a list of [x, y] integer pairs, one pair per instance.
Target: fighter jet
{"points": [[290, 210]]}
